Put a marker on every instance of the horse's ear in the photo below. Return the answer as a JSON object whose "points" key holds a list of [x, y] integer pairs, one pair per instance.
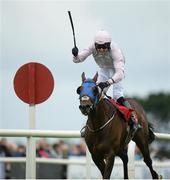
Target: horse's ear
{"points": [[83, 77], [95, 77]]}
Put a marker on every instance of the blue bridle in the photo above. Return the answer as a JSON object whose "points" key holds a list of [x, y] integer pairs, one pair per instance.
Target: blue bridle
{"points": [[87, 90]]}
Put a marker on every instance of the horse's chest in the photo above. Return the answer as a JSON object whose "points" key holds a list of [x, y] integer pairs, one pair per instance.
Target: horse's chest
{"points": [[99, 147]]}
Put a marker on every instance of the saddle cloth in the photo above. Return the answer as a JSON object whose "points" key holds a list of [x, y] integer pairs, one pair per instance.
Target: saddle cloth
{"points": [[126, 112]]}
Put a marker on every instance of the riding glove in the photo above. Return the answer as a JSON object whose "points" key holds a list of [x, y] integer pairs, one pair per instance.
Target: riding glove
{"points": [[103, 85], [75, 51]]}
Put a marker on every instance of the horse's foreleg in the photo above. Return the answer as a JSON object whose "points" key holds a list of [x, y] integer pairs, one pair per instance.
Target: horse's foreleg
{"points": [[99, 161], [108, 167], [124, 158]]}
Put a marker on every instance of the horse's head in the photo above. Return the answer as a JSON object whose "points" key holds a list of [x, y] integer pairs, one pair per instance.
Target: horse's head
{"points": [[89, 94]]}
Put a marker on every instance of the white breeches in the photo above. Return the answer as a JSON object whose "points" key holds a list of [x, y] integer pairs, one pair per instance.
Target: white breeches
{"points": [[104, 75]]}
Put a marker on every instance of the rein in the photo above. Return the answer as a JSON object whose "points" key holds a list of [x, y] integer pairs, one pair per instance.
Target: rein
{"points": [[100, 128]]}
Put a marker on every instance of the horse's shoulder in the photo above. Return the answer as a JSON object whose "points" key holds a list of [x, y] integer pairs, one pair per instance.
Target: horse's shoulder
{"points": [[109, 102]]}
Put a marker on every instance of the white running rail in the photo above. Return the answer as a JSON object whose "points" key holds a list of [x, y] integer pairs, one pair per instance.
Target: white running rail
{"points": [[67, 134]]}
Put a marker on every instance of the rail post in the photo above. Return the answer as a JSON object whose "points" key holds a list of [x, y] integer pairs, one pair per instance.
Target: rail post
{"points": [[31, 147], [131, 156]]}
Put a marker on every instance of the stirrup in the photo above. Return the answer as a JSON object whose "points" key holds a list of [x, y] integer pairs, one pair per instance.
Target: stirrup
{"points": [[133, 131], [135, 128], [138, 126]]}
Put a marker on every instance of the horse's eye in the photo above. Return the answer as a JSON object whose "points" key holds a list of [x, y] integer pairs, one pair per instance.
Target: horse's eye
{"points": [[79, 89], [95, 90]]}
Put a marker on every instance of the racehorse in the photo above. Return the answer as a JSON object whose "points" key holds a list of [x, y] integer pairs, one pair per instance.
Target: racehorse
{"points": [[106, 130]]}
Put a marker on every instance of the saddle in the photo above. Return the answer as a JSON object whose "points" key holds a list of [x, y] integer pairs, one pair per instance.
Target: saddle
{"points": [[126, 112]]}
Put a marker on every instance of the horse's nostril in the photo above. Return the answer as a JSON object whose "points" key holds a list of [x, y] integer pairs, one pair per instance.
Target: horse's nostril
{"points": [[83, 107], [87, 106]]}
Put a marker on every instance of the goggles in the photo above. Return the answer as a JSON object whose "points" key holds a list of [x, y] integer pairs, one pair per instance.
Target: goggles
{"points": [[102, 46]]}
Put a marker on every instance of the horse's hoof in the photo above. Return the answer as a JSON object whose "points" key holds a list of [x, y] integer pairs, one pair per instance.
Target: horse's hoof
{"points": [[160, 177]]}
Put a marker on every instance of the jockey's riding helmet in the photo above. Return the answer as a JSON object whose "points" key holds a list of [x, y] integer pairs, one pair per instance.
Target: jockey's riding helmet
{"points": [[102, 37]]}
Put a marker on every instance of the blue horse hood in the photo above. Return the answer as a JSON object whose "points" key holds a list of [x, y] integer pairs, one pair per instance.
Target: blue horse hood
{"points": [[87, 89]]}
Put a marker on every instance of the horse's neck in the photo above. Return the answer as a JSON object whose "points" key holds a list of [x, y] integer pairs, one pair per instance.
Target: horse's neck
{"points": [[99, 115]]}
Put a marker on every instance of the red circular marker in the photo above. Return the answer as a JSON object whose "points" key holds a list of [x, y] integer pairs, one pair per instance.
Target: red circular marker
{"points": [[33, 83]]}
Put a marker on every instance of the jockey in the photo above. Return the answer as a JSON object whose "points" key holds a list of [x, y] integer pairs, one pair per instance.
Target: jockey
{"points": [[111, 62]]}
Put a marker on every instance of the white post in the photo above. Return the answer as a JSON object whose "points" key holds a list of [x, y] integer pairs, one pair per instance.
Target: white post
{"points": [[88, 164], [131, 156], [31, 147]]}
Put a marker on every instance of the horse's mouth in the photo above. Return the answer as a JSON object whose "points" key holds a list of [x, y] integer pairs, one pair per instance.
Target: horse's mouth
{"points": [[85, 109]]}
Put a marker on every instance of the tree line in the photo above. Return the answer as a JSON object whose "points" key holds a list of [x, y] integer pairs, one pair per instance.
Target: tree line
{"points": [[157, 104]]}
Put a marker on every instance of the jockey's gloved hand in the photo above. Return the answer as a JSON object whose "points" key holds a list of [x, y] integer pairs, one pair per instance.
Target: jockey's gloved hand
{"points": [[103, 85], [75, 51]]}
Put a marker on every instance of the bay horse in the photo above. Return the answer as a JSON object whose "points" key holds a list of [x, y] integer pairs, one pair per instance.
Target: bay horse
{"points": [[106, 130]]}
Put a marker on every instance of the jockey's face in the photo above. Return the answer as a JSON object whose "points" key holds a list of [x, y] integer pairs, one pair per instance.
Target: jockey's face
{"points": [[102, 48]]}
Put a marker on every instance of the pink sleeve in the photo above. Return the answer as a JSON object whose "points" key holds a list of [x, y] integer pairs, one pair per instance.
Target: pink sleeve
{"points": [[84, 54], [119, 63]]}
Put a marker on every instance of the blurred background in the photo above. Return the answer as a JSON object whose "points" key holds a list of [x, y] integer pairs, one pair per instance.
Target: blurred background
{"points": [[40, 31]]}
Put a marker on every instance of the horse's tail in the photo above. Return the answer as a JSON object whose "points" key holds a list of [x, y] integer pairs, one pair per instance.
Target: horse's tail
{"points": [[151, 136]]}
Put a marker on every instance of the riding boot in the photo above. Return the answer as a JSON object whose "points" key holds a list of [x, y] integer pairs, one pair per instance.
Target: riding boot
{"points": [[134, 125]]}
